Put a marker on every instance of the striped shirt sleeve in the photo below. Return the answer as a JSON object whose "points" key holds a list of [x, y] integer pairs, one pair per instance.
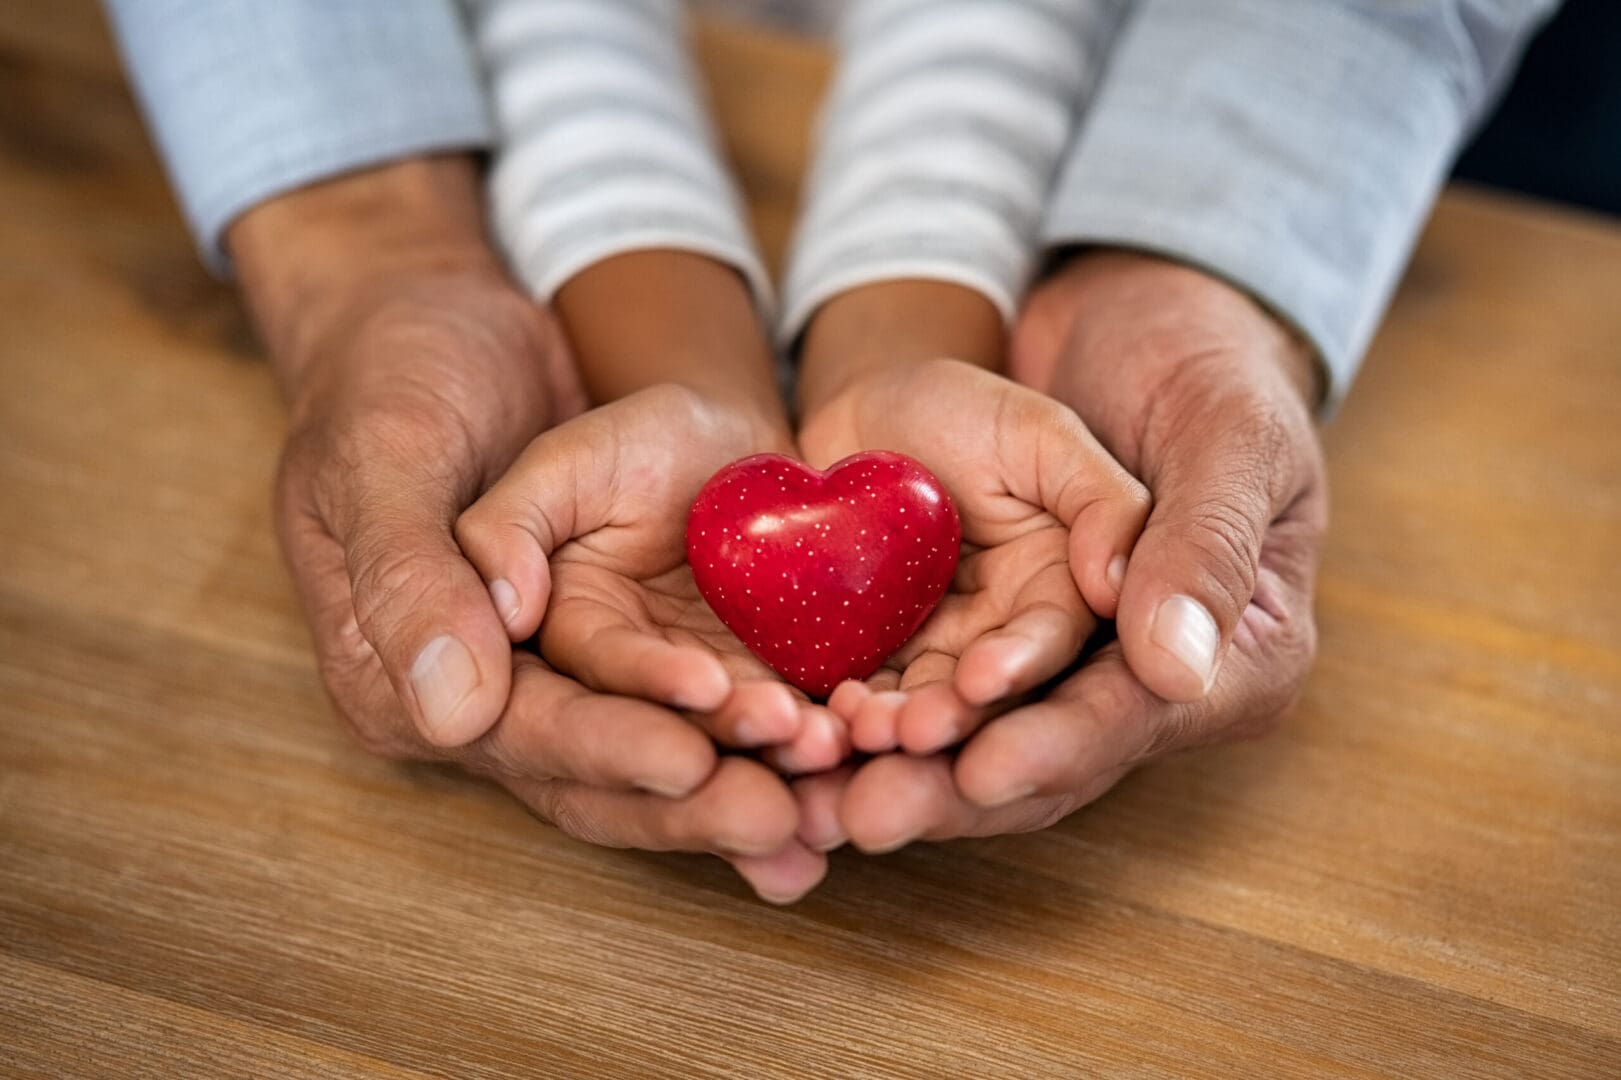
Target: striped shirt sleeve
{"points": [[938, 144], [604, 143]]}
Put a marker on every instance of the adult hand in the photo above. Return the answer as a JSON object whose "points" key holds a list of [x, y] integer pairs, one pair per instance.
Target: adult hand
{"points": [[1048, 520], [416, 373], [1209, 400]]}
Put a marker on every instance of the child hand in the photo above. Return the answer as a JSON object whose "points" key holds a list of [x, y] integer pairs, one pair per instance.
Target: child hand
{"points": [[1049, 519], [583, 540]]}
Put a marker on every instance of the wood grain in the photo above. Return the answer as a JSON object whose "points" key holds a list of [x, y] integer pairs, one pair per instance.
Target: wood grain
{"points": [[200, 876]]}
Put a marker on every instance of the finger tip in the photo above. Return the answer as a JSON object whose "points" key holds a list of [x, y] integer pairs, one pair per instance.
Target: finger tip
{"points": [[1172, 642], [760, 834], [508, 606], [786, 876], [977, 684], [691, 771], [825, 842], [870, 736], [514, 568], [919, 732], [1102, 586], [452, 733], [884, 809], [455, 697], [821, 743], [995, 667], [848, 697], [702, 684], [988, 787], [1114, 574], [819, 827], [922, 743], [1165, 674]]}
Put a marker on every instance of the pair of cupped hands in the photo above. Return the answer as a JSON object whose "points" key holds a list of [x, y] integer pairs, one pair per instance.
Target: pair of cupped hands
{"points": [[494, 574]]}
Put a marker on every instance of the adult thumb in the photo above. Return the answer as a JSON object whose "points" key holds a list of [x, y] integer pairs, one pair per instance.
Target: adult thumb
{"points": [[1220, 477], [423, 608]]}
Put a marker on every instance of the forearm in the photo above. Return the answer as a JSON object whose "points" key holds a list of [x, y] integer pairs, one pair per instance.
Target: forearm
{"points": [[649, 317], [309, 260]]}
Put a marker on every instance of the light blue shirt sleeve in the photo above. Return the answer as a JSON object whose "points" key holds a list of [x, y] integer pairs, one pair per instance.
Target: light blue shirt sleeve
{"points": [[1291, 147], [248, 99]]}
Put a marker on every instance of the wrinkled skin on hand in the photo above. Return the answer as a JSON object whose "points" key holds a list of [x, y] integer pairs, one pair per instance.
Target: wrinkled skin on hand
{"points": [[1208, 399], [419, 398]]}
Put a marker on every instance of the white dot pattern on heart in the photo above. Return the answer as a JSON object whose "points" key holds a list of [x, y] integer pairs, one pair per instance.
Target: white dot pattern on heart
{"points": [[859, 609]]}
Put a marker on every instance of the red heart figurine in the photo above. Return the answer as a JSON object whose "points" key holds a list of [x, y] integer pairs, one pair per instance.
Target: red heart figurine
{"points": [[823, 575]]}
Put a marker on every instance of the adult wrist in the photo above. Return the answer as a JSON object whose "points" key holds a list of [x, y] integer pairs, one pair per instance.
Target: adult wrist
{"points": [[1209, 309], [317, 259]]}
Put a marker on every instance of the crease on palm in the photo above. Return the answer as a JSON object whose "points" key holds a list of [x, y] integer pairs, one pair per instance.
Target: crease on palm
{"points": [[630, 571], [1015, 552]]}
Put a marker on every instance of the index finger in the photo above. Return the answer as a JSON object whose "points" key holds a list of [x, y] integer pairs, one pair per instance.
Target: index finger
{"points": [[554, 729], [1100, 720]]}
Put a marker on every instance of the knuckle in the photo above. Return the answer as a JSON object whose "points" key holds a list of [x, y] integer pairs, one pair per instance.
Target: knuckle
{"points": [[550, 804], [390, 577], [474, 526], [561, 805], [1135, 496], [1228, 543], [569, 817], [1178, 729], [489, 527], [496, 754], [1300, 642], [1263, 717], [528, 741]]}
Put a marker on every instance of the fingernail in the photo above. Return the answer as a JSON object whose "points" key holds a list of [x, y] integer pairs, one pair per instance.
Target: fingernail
{"points": [[1115, 573], [667, 789], [829, 843], [705, 693], [748, 732], [1010, 795], [891, 845], [1183, 628], [778, 899], [506, 600], [442, 677]]}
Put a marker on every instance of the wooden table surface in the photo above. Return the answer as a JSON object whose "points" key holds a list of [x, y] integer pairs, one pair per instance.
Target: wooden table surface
{"points": [[201, 876]]}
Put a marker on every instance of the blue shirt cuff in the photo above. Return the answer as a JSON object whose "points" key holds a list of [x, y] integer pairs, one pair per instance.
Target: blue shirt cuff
{"points": [[248, 100]]}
